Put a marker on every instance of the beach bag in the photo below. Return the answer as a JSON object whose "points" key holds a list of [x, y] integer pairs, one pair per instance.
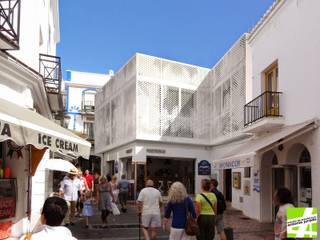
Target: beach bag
{"points": [[191, 228], [115, 210]]}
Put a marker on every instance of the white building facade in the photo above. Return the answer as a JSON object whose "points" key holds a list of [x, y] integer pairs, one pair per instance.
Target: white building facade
{"points": [[281, 113], [80, 89], [159, 119], [253, 116], [27, 114]]}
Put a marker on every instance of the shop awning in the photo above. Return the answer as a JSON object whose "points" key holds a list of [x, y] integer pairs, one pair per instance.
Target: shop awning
{"points": [[60, 165], [243, 156], [24, 126]]}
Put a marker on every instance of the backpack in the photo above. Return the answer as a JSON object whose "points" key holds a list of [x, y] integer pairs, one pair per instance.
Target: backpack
{"points": [[221, 203]]}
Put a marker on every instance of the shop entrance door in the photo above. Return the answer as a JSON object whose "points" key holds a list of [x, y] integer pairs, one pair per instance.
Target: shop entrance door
{"points": [[305, 187], [278, 181], [228, 184]]}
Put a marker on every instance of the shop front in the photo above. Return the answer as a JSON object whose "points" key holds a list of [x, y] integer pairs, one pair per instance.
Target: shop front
{"points": [[25, 138], [260, 165]]}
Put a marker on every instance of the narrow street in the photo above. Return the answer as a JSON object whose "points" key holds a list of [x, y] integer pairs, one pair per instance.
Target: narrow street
{"points": [[125, 227]]}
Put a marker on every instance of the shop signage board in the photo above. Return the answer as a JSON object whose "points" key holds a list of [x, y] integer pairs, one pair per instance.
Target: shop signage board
{"points": [[204, 168], [233, 163], [7, 198], [25, 127]]}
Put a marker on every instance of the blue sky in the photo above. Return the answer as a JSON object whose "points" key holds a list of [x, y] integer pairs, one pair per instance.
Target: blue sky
{"points": [[99, 35]]}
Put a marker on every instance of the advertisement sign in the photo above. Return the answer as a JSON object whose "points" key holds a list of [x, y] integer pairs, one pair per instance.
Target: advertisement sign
{"points": [[204, 168], [7, 198]]}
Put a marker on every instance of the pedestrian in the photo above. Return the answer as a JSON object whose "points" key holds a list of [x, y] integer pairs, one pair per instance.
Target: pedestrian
{"points": [[96, 182], [123, 186], [81, 192], [69, 187], [87, 211], [221, 207], [114, 186], [149, 202], [206, 206], [180, 205], [89, 180], [283, 200], [53, 212], [105, 197]]}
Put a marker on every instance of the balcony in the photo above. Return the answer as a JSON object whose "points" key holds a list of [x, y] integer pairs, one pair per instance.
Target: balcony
{"points": [[9, 24], [50, 69], [263, 113], [88, 107]]}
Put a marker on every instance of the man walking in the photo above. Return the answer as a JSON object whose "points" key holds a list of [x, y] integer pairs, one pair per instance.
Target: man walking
{"points": [[221, 207], [69, 188], [149, 202], [123, 186], [89, 180]]}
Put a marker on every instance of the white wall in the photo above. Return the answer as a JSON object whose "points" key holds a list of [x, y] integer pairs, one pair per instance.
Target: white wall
{"points": [[38, 31], [292, 37]]}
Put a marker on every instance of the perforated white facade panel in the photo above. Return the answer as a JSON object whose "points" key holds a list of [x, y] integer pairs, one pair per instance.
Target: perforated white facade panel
{"points": [[161, 100]]}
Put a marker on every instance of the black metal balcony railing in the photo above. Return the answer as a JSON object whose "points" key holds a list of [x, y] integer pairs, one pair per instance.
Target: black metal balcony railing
{"points": [[10, 22], [265, 105], [50, 69]]}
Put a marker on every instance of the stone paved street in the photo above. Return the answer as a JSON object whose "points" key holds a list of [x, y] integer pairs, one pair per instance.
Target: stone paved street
{"points": [[126, 225]]}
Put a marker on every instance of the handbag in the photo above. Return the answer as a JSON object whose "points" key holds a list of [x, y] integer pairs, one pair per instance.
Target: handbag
{"points": [[191, 227], [115, 210]]}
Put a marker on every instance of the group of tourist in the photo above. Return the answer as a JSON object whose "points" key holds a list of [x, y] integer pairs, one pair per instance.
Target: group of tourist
{"points": [[200, 218], [82, 192], [207, 211]]}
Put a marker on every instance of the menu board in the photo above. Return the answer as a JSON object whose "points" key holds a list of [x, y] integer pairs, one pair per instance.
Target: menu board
{"points": [[8, 197]]}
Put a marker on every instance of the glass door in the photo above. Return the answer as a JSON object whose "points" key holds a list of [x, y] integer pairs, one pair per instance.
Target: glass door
{"points": [[305, 186], [278, 180]]}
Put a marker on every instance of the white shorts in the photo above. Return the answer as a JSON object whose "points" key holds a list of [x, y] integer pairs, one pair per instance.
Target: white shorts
{"points": [[151, 220], [178, 234]]}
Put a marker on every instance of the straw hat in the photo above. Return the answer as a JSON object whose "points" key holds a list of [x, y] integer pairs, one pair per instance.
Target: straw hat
{"points": [[73, 171]]}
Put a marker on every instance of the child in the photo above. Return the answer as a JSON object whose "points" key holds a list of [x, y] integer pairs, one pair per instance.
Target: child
{"points": [[87, 211]]}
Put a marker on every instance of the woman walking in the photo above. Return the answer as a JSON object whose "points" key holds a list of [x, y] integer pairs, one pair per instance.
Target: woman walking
{"points": [[283, 200], [105, 197], [206, 205], [115, 189], [180, 205]]}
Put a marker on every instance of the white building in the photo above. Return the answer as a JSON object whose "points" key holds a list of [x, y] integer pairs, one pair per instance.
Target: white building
{"points": [[80, 89], [282, 113], [253, 115], [155, 118], [29, 103]]}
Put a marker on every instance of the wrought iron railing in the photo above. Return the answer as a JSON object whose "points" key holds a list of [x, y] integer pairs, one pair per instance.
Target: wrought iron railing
{"points": [[50, 69], [10, 22], [265, 105]]}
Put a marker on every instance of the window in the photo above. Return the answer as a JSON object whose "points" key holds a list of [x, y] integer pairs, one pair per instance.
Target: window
{"points": [[187, 103], [247, 172], [305, 156], [88, 129]]}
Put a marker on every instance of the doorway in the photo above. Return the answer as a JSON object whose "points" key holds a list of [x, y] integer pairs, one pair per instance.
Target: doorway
{"points": [[228, 184]]}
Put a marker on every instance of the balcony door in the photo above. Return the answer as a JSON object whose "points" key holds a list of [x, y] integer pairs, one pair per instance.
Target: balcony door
{"points": [[271, 87]]}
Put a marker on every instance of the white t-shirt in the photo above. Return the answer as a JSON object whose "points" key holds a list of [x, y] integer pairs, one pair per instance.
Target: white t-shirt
{"points": [[52, 233], [150, 198]]}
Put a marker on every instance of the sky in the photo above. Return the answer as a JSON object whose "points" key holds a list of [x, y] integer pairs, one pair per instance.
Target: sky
{"points": [[98, 35]]}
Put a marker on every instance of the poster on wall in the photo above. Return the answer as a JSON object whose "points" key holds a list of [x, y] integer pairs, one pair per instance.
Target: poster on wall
{"points": [[236, 177], [256, 182], [204, 168], [7, 198], [246, 187]]}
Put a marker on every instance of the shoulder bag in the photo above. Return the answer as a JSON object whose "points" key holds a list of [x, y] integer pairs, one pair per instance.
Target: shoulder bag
{"points": [[191, 227]]}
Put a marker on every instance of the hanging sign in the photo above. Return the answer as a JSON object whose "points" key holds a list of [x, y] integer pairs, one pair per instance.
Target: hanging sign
{"points": [[204, 168]]}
